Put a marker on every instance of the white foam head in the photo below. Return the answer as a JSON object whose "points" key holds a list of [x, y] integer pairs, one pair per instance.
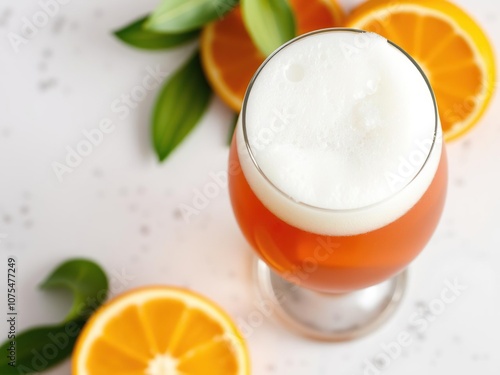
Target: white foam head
{"points": [[342, 126]]}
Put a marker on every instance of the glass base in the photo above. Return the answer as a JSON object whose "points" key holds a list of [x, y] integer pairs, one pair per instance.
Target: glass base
{"points": [[330, 317]]}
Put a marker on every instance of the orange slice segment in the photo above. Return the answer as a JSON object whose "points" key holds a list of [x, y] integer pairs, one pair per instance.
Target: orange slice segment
{"points": [[448, 44], [160, 331], [230, 58]]}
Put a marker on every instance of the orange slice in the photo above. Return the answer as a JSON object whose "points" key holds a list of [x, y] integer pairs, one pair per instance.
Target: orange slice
{"points": [[230, 58], [450, 47], [160, 331]]}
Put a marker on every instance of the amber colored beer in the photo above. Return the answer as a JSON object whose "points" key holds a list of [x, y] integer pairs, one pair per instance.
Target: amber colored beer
{"points": [[335, 263]]}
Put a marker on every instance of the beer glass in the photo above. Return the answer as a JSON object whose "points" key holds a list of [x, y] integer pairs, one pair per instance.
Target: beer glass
{"points": [[332, 257]]}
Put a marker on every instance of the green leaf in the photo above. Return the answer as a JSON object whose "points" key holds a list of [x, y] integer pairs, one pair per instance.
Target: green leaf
{"points": [[85, 279], [37, 349], [232, 129], [177, 16], [270, 23], [135, 34], [181, 103]]}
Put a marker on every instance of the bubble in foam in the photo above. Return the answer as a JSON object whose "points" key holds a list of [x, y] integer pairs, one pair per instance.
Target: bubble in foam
{"points": [[294, 72], [365, 117], [372, 86]]}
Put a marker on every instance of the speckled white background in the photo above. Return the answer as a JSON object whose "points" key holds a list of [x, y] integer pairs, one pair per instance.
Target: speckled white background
{"points": [[120, 206]]}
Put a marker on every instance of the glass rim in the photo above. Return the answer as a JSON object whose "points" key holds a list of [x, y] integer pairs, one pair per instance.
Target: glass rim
{"points": [[310, 206]]}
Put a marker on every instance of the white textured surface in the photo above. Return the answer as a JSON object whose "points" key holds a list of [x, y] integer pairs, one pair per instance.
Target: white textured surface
{"points": [[119, 206], [324, 123]]}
